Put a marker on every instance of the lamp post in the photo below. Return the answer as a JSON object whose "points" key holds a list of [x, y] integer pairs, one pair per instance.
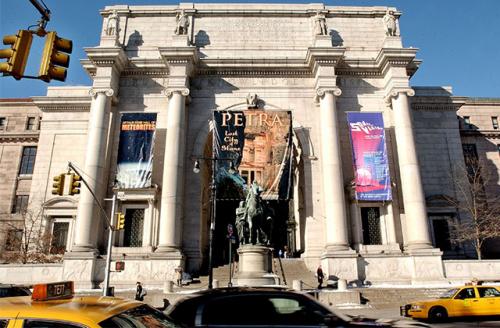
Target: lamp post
{"points": [[213, 196]]}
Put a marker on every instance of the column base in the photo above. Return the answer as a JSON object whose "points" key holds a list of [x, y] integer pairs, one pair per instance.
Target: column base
{"points": [[340, 264], [322, 41], [167, 252]]}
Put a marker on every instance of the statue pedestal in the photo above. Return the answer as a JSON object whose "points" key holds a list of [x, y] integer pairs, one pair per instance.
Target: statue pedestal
{"points": [[255, 267]]}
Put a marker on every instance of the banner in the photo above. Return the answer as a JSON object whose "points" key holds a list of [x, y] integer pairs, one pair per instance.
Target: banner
{"points": [[369, 152], [259, 144], [135, 152]]}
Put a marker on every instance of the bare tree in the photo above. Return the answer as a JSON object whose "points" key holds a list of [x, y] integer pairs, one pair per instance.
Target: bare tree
{"points": [[481, 209], [27, 239]]}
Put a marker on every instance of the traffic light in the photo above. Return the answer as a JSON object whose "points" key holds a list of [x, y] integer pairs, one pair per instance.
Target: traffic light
{"points": [[58, 184], [54, 58], [17, 55], [121, 221], [74, 184]]}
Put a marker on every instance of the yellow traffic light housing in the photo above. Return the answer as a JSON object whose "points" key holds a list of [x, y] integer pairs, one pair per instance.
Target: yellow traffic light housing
{"points": [[121, 221], [58, 185], [54, 58], [74, 184], [17, 55]]}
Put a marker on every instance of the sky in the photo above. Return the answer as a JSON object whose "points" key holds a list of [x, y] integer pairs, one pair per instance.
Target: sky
{"points": [[458, 39]]}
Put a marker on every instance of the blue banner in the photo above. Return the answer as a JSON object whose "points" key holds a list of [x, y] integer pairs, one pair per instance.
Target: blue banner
{"points": [[135, 152], [369, 153]]}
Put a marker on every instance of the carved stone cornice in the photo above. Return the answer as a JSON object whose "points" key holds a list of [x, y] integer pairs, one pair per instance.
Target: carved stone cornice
{"points": [[490, 134], [394, 92], [395, 57], [24, 137], [63, 104], [317, 57], [185, 57], [435, 107], [105, 57]]}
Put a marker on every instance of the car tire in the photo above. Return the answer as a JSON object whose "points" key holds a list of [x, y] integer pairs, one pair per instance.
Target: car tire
{"points": [[438, 314]]}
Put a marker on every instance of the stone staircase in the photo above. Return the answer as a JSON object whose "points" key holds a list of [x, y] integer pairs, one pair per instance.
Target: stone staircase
{"points": [[293, 269], [387, 297]]}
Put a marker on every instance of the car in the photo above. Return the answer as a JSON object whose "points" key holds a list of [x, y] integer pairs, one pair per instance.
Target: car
{"points": [[54, 305], [8, 290], [457, 302], [260, 307]]}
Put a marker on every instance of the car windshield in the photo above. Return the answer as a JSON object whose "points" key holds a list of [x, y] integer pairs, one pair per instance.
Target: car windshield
{"points": [[139, 317], [449, 293]]}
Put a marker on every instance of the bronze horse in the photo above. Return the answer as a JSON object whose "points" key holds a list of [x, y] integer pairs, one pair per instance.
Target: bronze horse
{"points": [[256, 218]]}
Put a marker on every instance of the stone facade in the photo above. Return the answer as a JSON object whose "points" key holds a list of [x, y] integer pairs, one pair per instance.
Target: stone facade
{"points": [[230, 51], [20, 121]]}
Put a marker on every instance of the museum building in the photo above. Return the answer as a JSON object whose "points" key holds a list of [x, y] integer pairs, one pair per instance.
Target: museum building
{"points": [[168, 68]]}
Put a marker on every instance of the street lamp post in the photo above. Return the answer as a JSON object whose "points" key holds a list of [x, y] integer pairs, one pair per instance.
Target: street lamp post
{"points": [[213, 196]]}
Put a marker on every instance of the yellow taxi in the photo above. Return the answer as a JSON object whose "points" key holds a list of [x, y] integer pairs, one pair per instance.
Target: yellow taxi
{"points": [[55, 306], [457, 302]]}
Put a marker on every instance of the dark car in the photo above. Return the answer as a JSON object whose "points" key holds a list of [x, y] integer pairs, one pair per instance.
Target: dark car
{"points": [[261, 307], [7, 290]]}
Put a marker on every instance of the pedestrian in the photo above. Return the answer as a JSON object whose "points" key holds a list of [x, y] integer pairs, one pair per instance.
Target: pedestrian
{"points": [[178, 273], [320, 275], [280, 253], [140, 292], [285, 251]]}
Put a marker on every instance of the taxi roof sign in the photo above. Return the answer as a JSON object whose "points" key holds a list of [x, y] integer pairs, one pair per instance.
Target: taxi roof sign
{"points": [[53, 291]]}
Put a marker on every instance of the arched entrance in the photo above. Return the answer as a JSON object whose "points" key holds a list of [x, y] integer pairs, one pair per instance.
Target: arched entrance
{"points": [[286, 230]]}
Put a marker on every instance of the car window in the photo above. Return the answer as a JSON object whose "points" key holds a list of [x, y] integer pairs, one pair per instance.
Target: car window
{"points": [[466, 293], [184, 311], [49, 324], [262, 310], [3, 323], [488, 292], [139, 317], [449, 293], [14, 291]]}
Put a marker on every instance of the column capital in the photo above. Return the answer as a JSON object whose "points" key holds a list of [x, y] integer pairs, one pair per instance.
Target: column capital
{"points": [[107, 91], [321, 91], [170, 91], [394, 92]]}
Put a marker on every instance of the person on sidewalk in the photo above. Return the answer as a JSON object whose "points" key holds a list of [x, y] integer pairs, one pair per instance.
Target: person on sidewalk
{"points": [[139, 292], [178, 273], [320, 275]]}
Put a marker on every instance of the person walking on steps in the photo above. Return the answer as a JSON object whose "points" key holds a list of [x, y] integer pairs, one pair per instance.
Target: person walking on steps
{"points": [[320, 275]]}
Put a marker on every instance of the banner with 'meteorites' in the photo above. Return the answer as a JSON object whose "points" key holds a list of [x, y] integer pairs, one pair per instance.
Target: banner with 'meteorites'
{"points": [[135, 152], [260, 145], [369, 152]]}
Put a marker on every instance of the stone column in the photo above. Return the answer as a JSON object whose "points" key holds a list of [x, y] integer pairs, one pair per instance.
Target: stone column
{"points": [[173, 173], [333, 182], [85, 231], [417, 226], [389, 224]]}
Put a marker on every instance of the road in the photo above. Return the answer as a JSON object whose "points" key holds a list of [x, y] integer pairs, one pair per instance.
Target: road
{"points": [[393, 313]]}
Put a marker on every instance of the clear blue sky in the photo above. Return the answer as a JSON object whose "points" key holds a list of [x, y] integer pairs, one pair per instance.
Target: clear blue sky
{"points": [[458, 39]]}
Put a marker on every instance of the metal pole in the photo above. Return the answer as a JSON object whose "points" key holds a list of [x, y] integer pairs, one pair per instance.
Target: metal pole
{"points": [[230, 284], [212, 230], [110, 244]]}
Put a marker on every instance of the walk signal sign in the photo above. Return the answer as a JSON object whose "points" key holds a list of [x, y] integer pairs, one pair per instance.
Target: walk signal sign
{"points": [[17, 55], [54, 58], [58, 185]]}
